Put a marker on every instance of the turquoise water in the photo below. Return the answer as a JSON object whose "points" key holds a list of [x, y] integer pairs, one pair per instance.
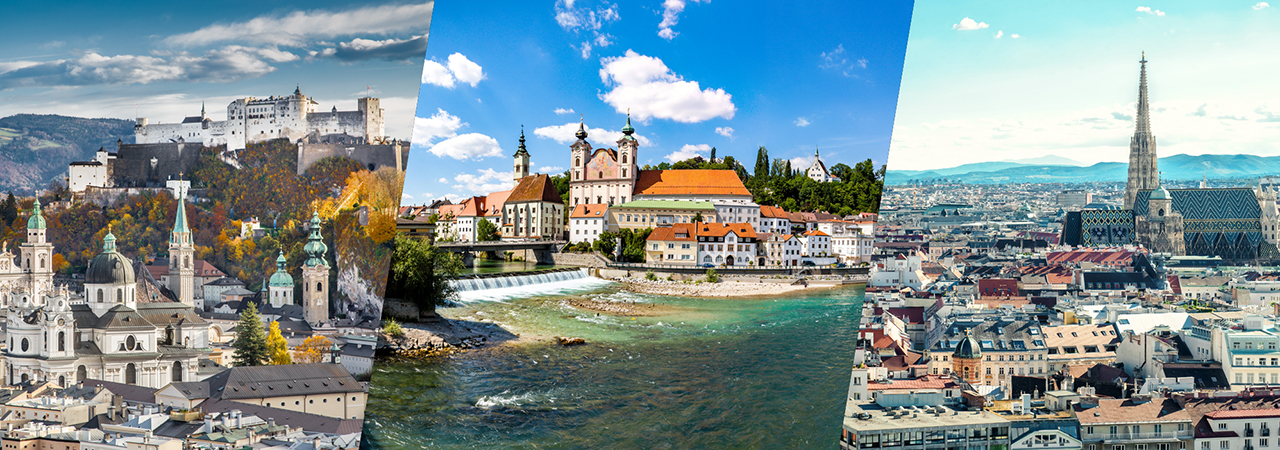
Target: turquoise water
{"points": [[716, 373], [482, 265]]}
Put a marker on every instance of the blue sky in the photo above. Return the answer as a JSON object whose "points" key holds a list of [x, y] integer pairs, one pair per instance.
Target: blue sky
{"points": [[694, 74], [1005, 80], [99, 59]]}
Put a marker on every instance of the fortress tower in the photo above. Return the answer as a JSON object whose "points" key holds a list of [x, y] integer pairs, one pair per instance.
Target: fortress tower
{"points": [[1143, 174]]}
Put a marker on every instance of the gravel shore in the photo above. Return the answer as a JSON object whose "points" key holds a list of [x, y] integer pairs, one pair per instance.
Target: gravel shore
{"points": [[723, 289]]}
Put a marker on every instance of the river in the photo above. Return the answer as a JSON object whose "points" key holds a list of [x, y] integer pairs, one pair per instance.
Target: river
{"points": [[719, 373]]}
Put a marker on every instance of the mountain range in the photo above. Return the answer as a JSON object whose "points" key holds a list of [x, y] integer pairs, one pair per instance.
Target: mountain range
{"points": [[35, 149], [1176, 167]]}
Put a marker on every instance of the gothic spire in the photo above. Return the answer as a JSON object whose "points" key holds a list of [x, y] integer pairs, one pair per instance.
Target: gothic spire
{"points": [[1143, 125]]}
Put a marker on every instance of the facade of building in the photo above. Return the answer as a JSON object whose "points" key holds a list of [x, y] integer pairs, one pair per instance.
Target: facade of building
{"points": [[587, 222], [673, 244], [774, 220], [1080, 344], [603, 175], [729, 244], [642, 214], [818, 171], [533, 210]]}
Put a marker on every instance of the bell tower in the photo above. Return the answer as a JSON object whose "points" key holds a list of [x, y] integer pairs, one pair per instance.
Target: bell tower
{"points": [[182, 257], [579, 157], [628, 147], [315, 276], [521, 160], [37, 255]]}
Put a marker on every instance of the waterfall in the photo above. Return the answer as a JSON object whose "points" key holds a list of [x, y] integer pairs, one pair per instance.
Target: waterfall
{"points": [[525, 284]]}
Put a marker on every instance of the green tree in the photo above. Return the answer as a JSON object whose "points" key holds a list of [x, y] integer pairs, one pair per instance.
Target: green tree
{"points": [[486, 231], [277, 346], [762, 163], [251, 341], [420, 273], [713, 155], [697, 217]]}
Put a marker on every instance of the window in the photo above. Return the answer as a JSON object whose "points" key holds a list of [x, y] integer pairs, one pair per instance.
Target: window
{"points": [[1222, 425], [1225, 445]]}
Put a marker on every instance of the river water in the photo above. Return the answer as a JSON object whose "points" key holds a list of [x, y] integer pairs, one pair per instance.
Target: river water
{"points": [[713, 373]]}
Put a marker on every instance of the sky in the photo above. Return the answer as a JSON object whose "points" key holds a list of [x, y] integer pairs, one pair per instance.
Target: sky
{"points": [[693, 74], [163, 60], [1006, 81]]}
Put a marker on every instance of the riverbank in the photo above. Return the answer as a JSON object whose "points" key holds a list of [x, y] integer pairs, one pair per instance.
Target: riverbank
{"points": [[445, 336], [629, 309], [732, 288]]}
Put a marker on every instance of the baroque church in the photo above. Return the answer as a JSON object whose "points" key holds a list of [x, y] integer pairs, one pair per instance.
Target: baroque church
{"points": [[1231, 223], [123, 329]]}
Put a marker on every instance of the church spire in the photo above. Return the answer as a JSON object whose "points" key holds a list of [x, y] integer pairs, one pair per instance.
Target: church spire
{"points": [[582, 129], [1143, 125], [180, 219], [521, 150], [1143, 174]]}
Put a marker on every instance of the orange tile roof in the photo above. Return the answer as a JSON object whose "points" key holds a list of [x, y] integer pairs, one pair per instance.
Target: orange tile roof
{"points": [[689, 182], [535, 188], [722, 229], [815, 233], [589, 211], [493, 202], [454, 209], [772, 212], [671, 233]]}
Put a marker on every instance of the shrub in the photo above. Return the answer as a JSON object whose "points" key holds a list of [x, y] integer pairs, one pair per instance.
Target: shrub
{"points": [[648, 275], [391, 327], [712, 276]]}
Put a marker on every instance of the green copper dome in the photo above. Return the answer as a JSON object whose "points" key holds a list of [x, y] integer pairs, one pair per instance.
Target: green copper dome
{"points": [[627, 130], [37, 219], [1160, 193], [968, 347], [281, 278], [315, 247]]}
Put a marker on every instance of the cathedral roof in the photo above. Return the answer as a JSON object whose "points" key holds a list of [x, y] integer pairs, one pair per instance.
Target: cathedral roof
{"points": [[37, 217], [1160, 193], [315, 247], [121, 317], [535, 188], [109, 267], [968, 347], [281, 278], [690, 182]]}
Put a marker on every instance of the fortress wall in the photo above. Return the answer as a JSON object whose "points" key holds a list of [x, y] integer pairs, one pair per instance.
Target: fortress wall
{"points": [[373, 157], [133, 164]]}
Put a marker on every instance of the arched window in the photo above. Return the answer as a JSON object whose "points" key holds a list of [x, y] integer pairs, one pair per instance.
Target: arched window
{"points": [[99, 295], [62, 341], [177, 371], [624, 158], [119, 295], [319, 287], [600, 174], [131, 374]]}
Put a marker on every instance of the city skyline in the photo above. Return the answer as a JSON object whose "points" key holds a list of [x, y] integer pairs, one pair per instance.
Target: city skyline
{"points": [[999, 82], [691, 75], [165, 62]]}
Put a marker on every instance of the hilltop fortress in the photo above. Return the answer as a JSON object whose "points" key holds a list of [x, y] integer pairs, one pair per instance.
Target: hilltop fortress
{"points": [[254, 120]]}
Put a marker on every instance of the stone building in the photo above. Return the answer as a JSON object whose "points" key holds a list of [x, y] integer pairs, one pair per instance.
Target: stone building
{"points": [[1143, 174], [966, 361]]}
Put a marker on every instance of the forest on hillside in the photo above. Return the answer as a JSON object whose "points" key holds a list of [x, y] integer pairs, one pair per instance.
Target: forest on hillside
{"points": [[35, 149]]}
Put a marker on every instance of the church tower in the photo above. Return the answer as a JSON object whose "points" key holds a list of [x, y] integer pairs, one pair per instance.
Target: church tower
{"points": [[280, 285], [1142, 148], [521, 161], [37, 255], [627, 148], [580, 155], [182, 257], [315, 277], [966, 361]]}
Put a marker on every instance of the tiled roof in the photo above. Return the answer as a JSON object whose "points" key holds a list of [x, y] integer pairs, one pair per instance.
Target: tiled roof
{"points": [[670, 233], [589, 211], [1115, 410], [535, 188], [690, 182], [925, 382], [815, 233], [772, 212], [722, 229], [1243, 414]]}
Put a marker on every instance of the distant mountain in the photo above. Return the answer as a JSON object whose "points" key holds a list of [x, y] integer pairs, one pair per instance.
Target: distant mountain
{"points": [[35, 149], [1048, 160], [1176, 167]]}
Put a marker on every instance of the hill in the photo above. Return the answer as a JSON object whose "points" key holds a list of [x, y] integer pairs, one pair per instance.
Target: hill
{"points": [[35, 149], [1176, 167]]}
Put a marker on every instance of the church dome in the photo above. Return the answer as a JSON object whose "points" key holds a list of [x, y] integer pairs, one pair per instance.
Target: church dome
{"points": [[37, 218], [1160, 193], [109, 267], [281, 278], [968, 347]]}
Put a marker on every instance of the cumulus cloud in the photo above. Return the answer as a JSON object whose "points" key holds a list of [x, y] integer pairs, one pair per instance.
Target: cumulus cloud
{"points": [[300, 27], [360, 49], [999, 34], [405, 196], [1261, 5], [459, 69], [564, 111], [671, 10], [221, 65], [564, 134], [440, 125], [688, 151], [483, 182], [551, 169], [725, 131], [467, 146], [1148, 10], [838, 60], [645, 86], [1015, 36], [589, 21], [802, 122], [802, 162], [967, 24], [444, 180]]}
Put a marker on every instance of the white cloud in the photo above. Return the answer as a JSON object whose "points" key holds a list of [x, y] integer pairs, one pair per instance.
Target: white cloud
{"points": [[801, 162], [222, 65], [587, 20], [725, 131], [967, 24], [1015, 36], [388, 49], [299, 27], [671, 10], [564, 111], [485, 181], [465, 70], [564, 134], [1261, 5], [688, 151], [551, 169], [459, 68], [437, 74], [467, 146], [406, 196], [444, 180], [440, 125], [645, 86], [1148, 10], [838, 60], [802, 122], [999, 34]]}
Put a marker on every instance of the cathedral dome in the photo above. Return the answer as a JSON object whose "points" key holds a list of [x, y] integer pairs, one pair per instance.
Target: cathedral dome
{"points": [[37, 218], [281, 278], [968, 347], [109, 267]]}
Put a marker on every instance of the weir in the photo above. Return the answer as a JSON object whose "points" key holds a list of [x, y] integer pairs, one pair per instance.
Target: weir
{"points": [[472, 283]]}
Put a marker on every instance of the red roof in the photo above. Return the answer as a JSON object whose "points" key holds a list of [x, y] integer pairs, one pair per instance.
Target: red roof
{"points": [[675, 232], [690, 182], [589, 211], [772, 212], [1243, 413], [925, 382], [815, 233], [720, 229]]}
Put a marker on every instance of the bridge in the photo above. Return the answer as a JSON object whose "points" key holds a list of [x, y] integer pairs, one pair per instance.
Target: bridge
{"points": [[542, 248]]}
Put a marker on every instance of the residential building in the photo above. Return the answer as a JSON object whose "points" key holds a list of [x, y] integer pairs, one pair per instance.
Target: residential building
{"points": [[726, 244], [1080, 344], [643, 214], [533, 210], [587, 221], [673, 244]]}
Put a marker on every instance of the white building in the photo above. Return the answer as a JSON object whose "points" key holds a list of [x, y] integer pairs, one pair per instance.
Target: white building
{"points": [[729, 244], [774, 220], [587, 222], [82, 174], [818, 171], [816, 246], [901, 271], [848, 241]]}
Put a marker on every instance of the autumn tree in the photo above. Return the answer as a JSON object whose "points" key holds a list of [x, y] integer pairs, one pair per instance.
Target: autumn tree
{"points": [[313, 350], [251, 341], [277, 346]]}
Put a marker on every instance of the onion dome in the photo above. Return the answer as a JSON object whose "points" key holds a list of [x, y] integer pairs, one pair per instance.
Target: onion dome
{"points": [[627, 129], [968, 347], [37, 218], [315, 247], [281, 278], [1160, 193], [521, 150], [582, 130], [109, 267]]}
